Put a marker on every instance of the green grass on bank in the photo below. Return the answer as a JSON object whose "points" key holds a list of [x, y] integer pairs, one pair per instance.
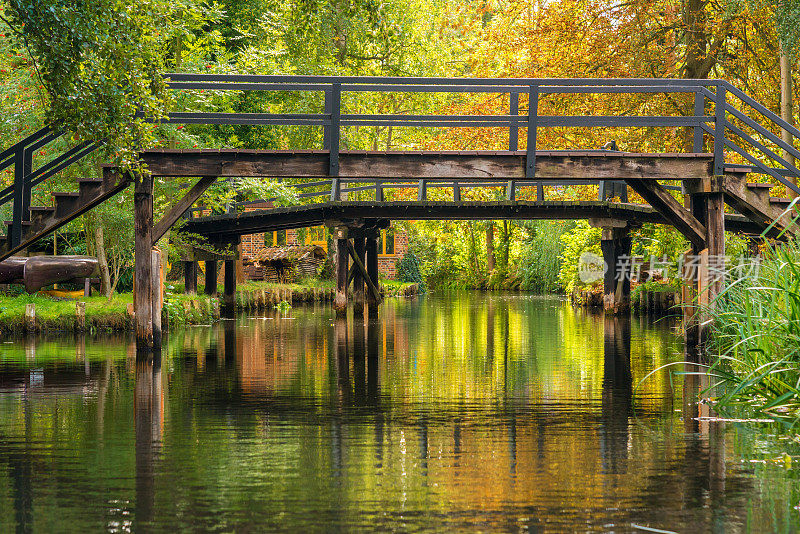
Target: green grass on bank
{"points": [[254, 285], [60, 313], [54, 313]]}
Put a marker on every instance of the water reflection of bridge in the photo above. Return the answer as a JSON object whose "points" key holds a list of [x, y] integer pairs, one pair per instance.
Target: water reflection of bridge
{"points": [[508, 452], [526, 438]]}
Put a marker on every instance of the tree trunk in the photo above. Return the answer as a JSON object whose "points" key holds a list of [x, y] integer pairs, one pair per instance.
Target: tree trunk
{"points": [[506, 245], [490, 247], [102, 262], [474, 248], [786, 109]]}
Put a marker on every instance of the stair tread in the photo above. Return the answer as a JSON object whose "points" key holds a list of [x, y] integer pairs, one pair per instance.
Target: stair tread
{"points": [[779, 200], [738, 168], [761, 186], [24, 223], [42, 208]]}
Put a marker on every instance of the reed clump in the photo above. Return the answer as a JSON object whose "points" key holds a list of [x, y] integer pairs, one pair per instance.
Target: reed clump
{"points": [[756, 337]]}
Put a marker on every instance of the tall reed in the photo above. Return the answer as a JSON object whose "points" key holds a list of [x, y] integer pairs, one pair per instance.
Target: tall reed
{"points": [[756, 335]]}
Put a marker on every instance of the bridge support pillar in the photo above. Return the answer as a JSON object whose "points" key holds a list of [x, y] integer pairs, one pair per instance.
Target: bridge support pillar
{"points": [[143, 266], [211, 278], [342, 266], [616, 246], [359, 297], [190, 277], [372, 269], [705, 275], [229, 292]]}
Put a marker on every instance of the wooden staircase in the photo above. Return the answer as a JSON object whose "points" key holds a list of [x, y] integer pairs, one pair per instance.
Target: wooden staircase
{"points": [[66, 207], [753, 200]]}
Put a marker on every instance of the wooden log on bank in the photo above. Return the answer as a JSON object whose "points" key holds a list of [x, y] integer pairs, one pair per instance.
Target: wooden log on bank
{"points": [[42, 271]]}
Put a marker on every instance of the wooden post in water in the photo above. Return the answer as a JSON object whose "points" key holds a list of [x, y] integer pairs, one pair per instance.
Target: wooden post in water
{"points": [[211, 278], [616, 246], [342, 265], [190, 277], [229, 294], [359, 298], [143, 266], [80, 316], [30, 318], [708, 264], [372, 269], [157, 296]]}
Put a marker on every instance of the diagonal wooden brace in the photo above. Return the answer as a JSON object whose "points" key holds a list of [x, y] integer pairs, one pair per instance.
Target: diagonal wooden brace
{"points": [[360, 266], [176, 211], [663, 202]]}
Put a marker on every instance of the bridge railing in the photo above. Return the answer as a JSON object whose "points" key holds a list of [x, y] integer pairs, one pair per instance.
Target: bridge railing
{"points": [[20, 156], [724, 119], [723, 123]]}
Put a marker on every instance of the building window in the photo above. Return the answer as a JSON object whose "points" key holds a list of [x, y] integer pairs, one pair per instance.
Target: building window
{"points": [[279, 238], [314, 236], [386, 243]]}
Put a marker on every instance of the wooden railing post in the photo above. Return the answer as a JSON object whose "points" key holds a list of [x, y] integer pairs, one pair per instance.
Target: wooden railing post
{"points": [[513, 140], [719, 130], [422, 190], [533, 121], [27, 169], [699, 111], [334, 103], [19, 196]]}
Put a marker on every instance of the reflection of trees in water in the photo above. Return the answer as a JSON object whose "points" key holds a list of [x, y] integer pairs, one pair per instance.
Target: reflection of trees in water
{"points": [[525, 418]]}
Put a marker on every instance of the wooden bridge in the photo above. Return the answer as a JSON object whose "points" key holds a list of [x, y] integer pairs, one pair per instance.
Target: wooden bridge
{"points": [[347, 189]]}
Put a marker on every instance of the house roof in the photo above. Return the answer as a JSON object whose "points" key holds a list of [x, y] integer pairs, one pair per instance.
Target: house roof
{"points": [[290, 253]]}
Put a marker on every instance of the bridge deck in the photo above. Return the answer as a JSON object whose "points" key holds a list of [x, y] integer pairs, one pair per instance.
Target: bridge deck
{"points": [[479, 165], [224, 226]]}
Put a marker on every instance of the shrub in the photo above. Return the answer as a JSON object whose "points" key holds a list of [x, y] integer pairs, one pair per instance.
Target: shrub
{"points": [[408, 270], [582, 238]]}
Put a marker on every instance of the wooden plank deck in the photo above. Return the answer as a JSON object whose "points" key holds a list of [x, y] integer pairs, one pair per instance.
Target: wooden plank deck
{"points": [[441, 165], [220, 227]]}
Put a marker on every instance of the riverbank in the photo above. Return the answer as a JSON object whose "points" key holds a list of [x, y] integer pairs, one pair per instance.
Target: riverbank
{"points": [[659, 297], [39, 313]]}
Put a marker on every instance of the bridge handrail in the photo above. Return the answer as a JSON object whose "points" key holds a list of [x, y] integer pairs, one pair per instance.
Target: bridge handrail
{"points": [[20, 155], [717, 125], [715, 91]]}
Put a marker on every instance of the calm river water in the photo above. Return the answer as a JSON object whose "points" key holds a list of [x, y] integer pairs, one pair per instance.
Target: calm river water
{"points": [[468, 411]]}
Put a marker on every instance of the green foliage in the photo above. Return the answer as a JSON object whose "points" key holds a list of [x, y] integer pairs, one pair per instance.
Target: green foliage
{"points": [[582, 238], [283, 307], [408, 270], [659, 241], [651, 286], [239, 189], [100, 62], [541, 255]]}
